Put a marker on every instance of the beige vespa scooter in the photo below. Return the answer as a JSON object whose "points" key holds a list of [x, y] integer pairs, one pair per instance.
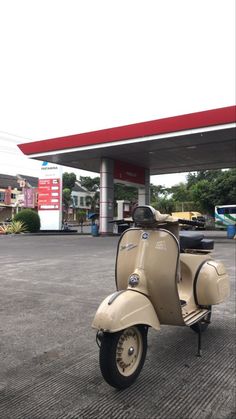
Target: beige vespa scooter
{"points": [[161, 278]]}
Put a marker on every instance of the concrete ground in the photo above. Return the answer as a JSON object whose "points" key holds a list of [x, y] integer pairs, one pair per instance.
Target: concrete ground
{"points": [[50, 288]]}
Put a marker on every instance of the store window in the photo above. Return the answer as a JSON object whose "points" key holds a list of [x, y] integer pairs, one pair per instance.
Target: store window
{"points": [[75, 200]]}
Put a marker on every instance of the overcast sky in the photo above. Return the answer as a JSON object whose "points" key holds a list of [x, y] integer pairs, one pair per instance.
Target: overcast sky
{"points": [[71, 66]]}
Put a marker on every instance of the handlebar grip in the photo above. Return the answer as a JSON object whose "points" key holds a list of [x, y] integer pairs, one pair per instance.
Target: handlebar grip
{"points": [[191, 222]]}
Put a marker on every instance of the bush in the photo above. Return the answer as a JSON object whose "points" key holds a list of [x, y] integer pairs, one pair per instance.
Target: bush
{"points": [[16, 227], [30, 219], [4, 229]]}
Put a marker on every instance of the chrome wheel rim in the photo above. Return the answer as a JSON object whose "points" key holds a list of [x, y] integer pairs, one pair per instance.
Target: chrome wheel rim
{"points": [[129, 351]]}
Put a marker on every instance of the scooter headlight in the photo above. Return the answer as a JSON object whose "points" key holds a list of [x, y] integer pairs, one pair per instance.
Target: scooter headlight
{"points": [[144, 216], [133, 280]]}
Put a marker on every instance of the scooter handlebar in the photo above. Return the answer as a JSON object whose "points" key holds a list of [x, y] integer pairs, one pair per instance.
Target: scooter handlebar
{"points": [[191, 222]]}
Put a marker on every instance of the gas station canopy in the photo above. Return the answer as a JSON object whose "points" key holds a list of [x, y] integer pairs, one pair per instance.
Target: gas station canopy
{"points": [[196, 141]]}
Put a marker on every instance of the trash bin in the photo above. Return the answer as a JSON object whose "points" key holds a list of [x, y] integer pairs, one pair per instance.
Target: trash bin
{"points": [[94, 230], [231, 231]]}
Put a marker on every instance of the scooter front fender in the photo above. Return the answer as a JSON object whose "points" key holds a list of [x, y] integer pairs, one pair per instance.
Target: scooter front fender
{"points": [[124, 309]]}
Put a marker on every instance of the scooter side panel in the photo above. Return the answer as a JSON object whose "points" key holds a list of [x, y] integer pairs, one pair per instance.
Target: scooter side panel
{"points": [[190, 264], [212, 285], [126, 309]]}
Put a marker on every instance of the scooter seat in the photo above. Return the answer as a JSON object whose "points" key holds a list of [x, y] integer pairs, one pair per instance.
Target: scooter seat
{"points": [[207, 244], [193, 240]]}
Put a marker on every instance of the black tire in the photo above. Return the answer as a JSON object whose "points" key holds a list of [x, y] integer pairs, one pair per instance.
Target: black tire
{"points": [[205, 321], [122, 355]]}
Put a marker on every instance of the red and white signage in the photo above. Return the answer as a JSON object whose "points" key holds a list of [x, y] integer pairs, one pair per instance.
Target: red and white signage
{"points": [[128, 173], [49, 194], [29, 197]]}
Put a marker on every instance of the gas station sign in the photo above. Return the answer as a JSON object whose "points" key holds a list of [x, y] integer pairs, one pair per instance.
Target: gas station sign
{"points": [[50, 196], [128, 173]]}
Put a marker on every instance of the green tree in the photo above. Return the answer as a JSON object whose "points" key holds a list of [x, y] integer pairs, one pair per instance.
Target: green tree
{"points": [[121, 192], [215, 188], [124, 192], [81, 218], [195, 177], [157, 191], [203, 196], [181, 197], [92, 184], [225, 188], [66, 199], [202, 191], [165, 205], [180, 192], [160, 199], [69, 180], [93, 201]]}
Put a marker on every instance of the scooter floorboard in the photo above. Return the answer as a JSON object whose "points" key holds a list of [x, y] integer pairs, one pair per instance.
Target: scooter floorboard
{"points": [[194, 316]]}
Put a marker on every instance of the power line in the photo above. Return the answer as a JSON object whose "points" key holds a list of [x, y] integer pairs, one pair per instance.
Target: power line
{"points": [[14, 135]]}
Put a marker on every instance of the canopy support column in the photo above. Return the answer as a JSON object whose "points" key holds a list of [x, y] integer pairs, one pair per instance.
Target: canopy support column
{"points": [[106, 196], [144, 191]]}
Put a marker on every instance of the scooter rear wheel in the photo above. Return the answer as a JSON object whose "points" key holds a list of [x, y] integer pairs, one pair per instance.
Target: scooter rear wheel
{"points": [[122, 355], [205, 321]]}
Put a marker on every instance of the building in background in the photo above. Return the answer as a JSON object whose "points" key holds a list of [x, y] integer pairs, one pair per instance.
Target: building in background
{"points": [[9, 192], [82, 200], [17, 192], [21, 191]]}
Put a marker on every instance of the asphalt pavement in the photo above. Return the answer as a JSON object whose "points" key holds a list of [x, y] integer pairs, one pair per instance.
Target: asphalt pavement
{"points": [[50, 288]]}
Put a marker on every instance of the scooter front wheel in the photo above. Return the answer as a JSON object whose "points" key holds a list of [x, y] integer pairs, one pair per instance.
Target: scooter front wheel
{"points": [[122, 355]]}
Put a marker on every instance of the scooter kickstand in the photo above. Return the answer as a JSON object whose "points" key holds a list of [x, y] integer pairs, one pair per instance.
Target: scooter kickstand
{"points": [[199, 349]]}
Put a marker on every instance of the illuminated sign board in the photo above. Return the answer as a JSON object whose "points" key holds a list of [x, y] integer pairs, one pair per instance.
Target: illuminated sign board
{"points": [[128, 173], [50, 196]]}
